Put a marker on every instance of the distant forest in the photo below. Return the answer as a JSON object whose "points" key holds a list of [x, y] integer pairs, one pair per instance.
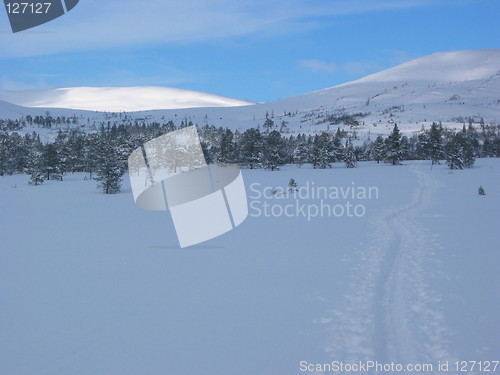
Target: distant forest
{"points": [[103, 153]]}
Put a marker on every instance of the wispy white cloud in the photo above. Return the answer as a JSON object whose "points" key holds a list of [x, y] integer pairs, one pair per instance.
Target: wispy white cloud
{"points": [[97, 24], [353, 68], [318, 66]]}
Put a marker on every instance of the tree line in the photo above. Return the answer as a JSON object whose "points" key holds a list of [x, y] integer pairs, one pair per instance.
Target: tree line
{"points": [[103, 154]]}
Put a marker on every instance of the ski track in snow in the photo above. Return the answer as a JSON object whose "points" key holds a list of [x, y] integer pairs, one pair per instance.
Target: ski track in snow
{"points": [[390, 313]]}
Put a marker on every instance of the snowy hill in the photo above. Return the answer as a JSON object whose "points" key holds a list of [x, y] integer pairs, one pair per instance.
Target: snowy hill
{"points": [[9, 110], [118, 99], [444, 87], [450, 87]]}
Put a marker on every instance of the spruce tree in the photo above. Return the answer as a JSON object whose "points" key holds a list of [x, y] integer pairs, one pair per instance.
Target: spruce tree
{"points": [[322, 152], [349, 155], [337, 148], [268, 124], [469, 156], [435, 147], [35, 167], [52, 162], [406, 152], [272, 156], [301, 152], [251, 148], [378, 149], [422, 146], [110, 165], [455, 152], [63, 152], [90, 155], [394, 152], [226, 147]]}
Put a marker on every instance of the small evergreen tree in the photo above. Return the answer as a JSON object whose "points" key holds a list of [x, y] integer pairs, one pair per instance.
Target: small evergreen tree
{"points": [[394, 152], [52, 162], [349, 155], [460, 151], [90, 155], [337, 148], [110, 165], [436, 152], [378, 150], [468, 148], [35, 168], [454, 152], [226, 147], [272, 157], [301, 152], [251, 148], [322, 152], [268, 124]]}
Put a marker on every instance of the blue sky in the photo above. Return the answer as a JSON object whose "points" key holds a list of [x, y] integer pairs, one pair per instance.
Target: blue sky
{"points": [[257, 50]]}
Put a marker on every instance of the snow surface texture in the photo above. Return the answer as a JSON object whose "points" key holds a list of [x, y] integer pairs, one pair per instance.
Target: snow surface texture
{"points": [[118, 99], [90, 284], [448, 87]]}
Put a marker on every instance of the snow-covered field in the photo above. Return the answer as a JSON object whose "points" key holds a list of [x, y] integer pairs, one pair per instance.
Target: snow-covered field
{"points": [[89, 284]]}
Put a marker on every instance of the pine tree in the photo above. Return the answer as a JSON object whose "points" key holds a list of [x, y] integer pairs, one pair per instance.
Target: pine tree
{"points": [[337, 148], [405, 147], [226, 147], [35, 167], [316, 152], [322, 152], [272, 157], [251, 148], [110, 165], [63, 152], [394, 152], [349, 155], [469, 156], [268, 124], [90, 155], [455, 152], [435, 147], [52, 162], [378, 150], [422, 146], [301, 152], [76, 155]]}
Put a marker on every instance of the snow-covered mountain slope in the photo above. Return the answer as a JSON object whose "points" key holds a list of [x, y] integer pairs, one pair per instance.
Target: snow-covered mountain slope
{"points": [[449, 87], [12, 111], [118, 99], [441, 87], [443, 67]]}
